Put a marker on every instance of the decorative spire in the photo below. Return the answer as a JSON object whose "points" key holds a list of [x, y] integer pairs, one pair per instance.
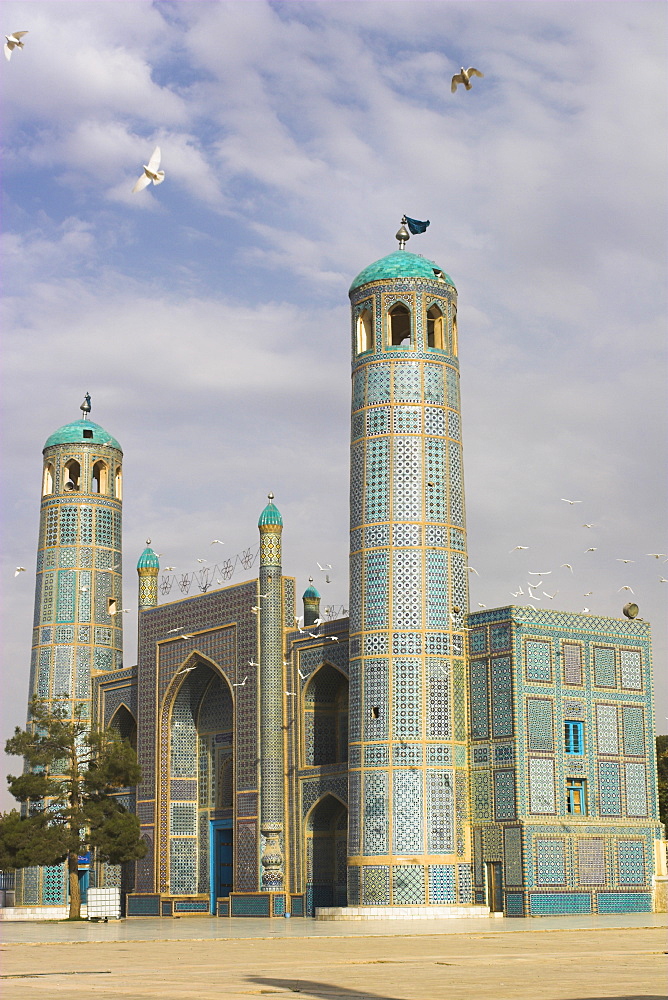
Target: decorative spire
{"points": [[85, 406], [402, 234]]}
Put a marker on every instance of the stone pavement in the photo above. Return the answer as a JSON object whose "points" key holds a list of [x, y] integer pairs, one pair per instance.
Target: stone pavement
{"points": [[501, 962]]}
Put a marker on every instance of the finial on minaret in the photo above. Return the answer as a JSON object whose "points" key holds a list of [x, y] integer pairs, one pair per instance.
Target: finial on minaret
{"points": [[85, 406], [270, 496], [402, 234]]}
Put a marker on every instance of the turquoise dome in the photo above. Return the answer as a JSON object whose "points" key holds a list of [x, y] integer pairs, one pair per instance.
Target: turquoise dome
{"points": [[311, 594], [270, 515], [74, 434], [401, 264], [148, 560]]}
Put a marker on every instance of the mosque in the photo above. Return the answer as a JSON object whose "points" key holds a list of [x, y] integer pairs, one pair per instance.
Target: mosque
{"points": [[411, 758]]}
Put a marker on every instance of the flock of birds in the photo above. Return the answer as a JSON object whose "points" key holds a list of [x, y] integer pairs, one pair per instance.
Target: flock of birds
{"points": [[152, 173]]}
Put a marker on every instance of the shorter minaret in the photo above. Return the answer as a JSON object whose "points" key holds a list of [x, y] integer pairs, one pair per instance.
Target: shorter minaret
{"points": [[271, 697], [311, 599], [148, 567]]}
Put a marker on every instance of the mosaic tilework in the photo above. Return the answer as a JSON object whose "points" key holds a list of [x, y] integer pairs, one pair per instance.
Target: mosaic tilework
{"points": [[407, 755], [512, 855], [502, 704], [541, 786], [407, 698], [538, 661], [514, 904], [540, 724], [548, 903], [607, 740], [500, 638], [376, 696], [53, 885], [550, 862], [624, 902], [636, 789], [442, 884], [504, 795], [438, 755], [631, 862], [438, 700], [609, 790], [406, 807], [591, 861], [572, 659], [408, 885], [376, 818], [479, 700], [481, 796], [375, 885], [464, 884], [633, 725], [631, 669], [604, 667]]}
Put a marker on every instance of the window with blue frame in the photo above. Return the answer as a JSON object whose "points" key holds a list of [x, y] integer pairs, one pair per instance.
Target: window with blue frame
{"points": [[574, 737], [576, 802]]}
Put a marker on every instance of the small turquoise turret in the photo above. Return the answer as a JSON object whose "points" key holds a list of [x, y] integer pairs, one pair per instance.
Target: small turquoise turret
{"points": [[148, 567], [311, 599]]}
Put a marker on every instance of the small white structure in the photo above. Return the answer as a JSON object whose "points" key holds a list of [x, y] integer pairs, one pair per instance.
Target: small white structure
{"points": [[104, 903]]}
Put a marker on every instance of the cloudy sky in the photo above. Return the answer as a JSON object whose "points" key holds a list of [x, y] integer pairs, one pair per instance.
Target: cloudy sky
{"points": [[208, 317]]}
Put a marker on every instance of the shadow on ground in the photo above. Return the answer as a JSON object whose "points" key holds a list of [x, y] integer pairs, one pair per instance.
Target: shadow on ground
{"points": [[327, 991]]}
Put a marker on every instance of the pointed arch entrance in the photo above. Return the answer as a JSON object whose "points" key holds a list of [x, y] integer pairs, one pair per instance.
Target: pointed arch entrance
{"points": [[201, 783], [326, 854]]}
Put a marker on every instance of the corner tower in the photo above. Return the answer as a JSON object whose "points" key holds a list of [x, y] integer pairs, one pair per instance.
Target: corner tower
{"points": [[409, 841]]}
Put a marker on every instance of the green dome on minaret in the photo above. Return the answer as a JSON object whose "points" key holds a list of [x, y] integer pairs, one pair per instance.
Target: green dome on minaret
{"points": [[311, 594], [84, 431], [401, 264], [270, 515], [148, 559]]}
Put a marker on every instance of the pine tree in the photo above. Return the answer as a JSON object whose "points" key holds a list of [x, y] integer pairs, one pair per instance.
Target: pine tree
{"points": [[662, 768], [67, 789]]}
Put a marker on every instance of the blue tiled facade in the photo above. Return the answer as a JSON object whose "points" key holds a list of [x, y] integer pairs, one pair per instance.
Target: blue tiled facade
{"points": [[412, 754], [580, 834]]}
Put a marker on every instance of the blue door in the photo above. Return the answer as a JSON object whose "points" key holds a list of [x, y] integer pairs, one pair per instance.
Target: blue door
{"points": [[222, 857]]}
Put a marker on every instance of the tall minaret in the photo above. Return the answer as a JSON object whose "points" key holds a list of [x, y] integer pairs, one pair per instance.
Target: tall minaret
{"points": [[78, 621], [408, 836], [270, 616]]}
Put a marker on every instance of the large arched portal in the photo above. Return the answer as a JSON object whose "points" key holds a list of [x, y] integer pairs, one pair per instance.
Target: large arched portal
{"points": [[201, 785], [326, 854]]}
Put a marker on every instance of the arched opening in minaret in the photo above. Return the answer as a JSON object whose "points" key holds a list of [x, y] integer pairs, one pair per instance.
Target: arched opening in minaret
{"points": [[125, 724], [48, 479], [326, 717], [400, 325], [364, 331], [201, 770], [435, 328], [454, 333], [100, 481], [326, 854], [72, 475], [118, 483]]}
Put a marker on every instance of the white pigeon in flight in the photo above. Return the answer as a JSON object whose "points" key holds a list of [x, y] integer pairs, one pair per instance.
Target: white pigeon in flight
{"points": [[13, 42], [464, 76], [151, 172]]}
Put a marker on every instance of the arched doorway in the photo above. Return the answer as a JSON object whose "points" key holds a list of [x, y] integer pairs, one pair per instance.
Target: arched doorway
{"points": [[201, 785], [326, 854], [326, 717]]}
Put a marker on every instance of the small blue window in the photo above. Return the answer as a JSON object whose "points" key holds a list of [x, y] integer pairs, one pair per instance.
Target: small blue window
{"points": [[576, 802], [573, 737]]}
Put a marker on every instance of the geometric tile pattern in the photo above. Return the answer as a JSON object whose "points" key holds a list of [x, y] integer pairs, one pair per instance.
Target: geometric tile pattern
{"points": [[550, 860], [631, 862], [502, 704], [504, 795], [572, 656], [512, 851], [541, 785], [636, 789], [634, 730], [591, 861], [375, 885], [440, 812], [408, 885], [606, 729], [604, 667], [441, 884], [540, 725], [631, 669], [538, 661], [610, 800]]}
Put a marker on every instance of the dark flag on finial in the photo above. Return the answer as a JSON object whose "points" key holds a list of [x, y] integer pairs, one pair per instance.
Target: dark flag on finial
{"points": [[85, 406], [415, 225]]}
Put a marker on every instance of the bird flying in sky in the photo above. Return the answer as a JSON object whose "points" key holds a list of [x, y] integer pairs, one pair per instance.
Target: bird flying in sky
{"points": [[13, 42], [464, 76], [151, 172]]}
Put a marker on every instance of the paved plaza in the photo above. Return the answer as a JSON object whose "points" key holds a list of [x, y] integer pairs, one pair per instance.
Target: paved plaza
{"points": [[560, 958]]}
